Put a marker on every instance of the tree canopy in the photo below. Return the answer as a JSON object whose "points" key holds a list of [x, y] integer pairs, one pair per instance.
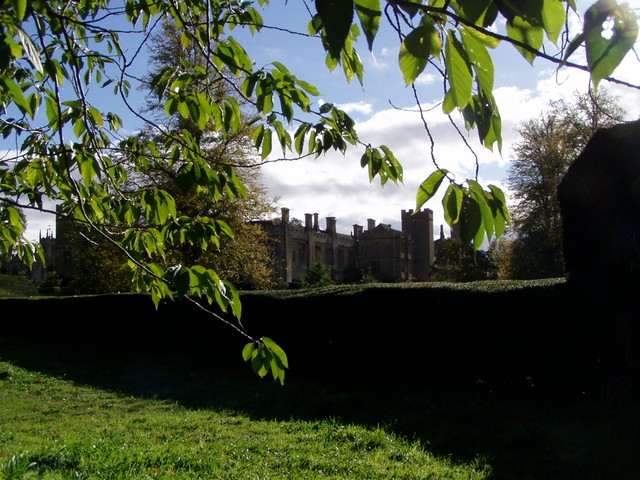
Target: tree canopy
{"points": [[546, 147], [55, 54]]}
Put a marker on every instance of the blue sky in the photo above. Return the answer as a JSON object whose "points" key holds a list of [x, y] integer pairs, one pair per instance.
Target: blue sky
{"points": [[335, 185]]}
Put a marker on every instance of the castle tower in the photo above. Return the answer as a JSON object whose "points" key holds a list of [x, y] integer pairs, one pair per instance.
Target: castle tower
{"points": [[420, 226]]}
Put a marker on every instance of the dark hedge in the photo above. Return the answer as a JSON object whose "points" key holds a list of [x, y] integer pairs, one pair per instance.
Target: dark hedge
{"points": [[549, 334]]}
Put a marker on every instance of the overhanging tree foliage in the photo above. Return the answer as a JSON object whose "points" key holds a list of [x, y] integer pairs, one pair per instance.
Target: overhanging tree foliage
{"points": [[54, 55]]}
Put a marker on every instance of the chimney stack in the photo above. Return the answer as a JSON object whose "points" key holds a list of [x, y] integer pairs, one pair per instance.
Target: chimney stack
{"points": [[357, 230], [285, 215], [307, 220], [316, 226], [331, 224], [371, 224]]}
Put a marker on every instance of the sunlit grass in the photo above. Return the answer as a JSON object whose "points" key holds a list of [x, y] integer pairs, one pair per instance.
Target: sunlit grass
{"points": [[55, 428]]}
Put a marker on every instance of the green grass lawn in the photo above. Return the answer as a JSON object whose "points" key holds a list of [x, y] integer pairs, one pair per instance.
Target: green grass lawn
{"points": [[65, 430], [71, 412]]}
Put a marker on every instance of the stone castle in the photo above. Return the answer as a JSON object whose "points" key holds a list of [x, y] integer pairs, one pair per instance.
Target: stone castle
{"points": [[388, 255]]}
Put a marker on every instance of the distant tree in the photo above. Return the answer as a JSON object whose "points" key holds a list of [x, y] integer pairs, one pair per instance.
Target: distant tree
{"points": [[547, 146], [318, 275], [96, 264], [459, 262]]}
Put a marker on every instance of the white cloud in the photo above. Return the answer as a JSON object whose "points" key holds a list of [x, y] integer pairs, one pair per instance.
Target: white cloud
{"points": [[427, 79], [388, 52], [356, 107]]}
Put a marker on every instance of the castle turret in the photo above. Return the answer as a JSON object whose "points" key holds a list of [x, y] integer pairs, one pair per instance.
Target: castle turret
{"points": [[419, 225]]}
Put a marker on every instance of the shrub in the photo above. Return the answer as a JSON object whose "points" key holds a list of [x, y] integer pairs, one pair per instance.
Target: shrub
{"points": [[318, 275]]}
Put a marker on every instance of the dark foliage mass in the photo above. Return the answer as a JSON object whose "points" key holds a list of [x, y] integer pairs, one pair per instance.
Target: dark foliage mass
{"points": [[564, 338], [600, 200]]}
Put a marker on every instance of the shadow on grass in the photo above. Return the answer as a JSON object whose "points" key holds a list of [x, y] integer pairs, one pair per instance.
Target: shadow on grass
{"points": [[522, 431]]}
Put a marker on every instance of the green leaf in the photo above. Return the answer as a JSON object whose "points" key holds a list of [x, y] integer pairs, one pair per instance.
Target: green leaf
{"points": [[266, 144], [286, 106], [502, 202], [234, 298], [276, 350], [336, 16], [183, 109], [258, 135], [524, 32], [96, 116], [480, 12], [449, 103], [369, 13], [247, 351], [299, 137], [234, 56], [17, 95], [606, 49], [452, 203], [20, 7], [553, 18], [351, 64], [31, 50], [88, 167], [393, 168], [498, 205], [480, 60], [485, 211], [471, 231], [483, 112], [182, 281], [486, 40], [458, 71], [309, 88], [429, 187], [314, 26], [416, 49], [256, 361]]}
